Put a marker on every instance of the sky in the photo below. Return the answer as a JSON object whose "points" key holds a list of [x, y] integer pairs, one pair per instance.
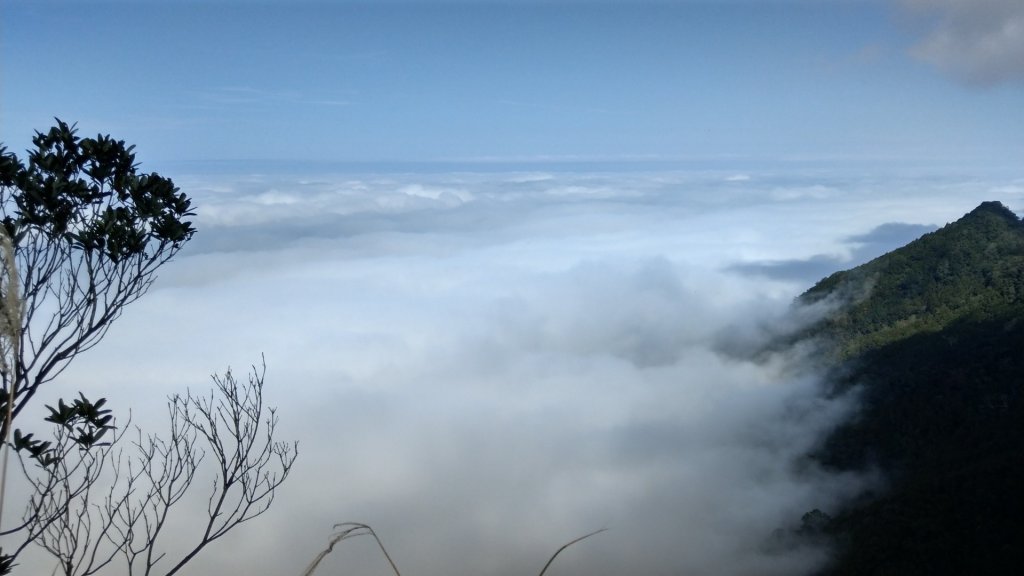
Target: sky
{"points": [[505, 260], [466, 82]]}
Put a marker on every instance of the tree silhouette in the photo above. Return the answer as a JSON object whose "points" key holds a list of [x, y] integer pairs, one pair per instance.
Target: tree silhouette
{"points": [[82, 235], [88, 232]]}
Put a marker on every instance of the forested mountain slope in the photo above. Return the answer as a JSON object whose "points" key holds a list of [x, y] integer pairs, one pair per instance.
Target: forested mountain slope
{"points": [[933, 335], [972, 266]]}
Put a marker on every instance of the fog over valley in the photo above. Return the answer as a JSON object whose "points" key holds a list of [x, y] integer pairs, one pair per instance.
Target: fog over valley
{"points": [[486, 366]]}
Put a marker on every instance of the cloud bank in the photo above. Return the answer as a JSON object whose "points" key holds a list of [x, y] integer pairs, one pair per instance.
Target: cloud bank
{"points": [[864, 247], [486, 366]]}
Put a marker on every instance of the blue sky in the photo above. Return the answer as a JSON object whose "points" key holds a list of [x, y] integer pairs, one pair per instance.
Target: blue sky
{"points": [[470, 81]]}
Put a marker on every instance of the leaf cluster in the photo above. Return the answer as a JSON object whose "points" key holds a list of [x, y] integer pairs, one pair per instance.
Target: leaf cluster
{"points": [[89, 231], [85, 422], [88, 192]]}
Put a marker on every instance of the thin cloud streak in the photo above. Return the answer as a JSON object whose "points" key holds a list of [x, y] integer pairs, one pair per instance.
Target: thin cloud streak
{"points": [[234, 96]]}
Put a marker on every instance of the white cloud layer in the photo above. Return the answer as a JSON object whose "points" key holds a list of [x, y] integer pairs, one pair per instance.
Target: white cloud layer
{"points": [[976, 41], [483, 366]]}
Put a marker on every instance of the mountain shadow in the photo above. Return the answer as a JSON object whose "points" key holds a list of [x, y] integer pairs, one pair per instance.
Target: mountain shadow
{"points": [[933, 336]]}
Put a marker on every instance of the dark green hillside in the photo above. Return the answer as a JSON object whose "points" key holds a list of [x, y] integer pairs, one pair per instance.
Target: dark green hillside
{"points": [[973, 264], [934, 336]]}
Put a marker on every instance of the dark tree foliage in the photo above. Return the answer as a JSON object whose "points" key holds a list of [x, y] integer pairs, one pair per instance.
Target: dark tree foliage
{"points": [[943, 417], [975, 263], [935, 342], [89, 233]]}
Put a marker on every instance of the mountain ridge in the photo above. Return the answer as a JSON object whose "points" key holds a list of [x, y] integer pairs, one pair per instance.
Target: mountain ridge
{"points": [[976, 262], [932, 336]]}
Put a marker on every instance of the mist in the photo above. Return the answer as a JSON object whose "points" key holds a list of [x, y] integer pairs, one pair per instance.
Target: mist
{"points": [[484, 367]]}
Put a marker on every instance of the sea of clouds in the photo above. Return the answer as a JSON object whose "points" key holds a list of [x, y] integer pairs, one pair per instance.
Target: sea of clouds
{"points": [[484, 366]]}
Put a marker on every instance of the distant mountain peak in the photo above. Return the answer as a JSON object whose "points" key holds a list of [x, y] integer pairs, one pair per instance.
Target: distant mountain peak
{"points": [[994, 207], [973, 263]]}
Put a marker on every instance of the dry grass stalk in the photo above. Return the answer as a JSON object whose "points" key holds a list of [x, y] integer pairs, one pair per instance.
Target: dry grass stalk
{"points": [[345, 531], [10, 344], [348, 530], [560, 550]]}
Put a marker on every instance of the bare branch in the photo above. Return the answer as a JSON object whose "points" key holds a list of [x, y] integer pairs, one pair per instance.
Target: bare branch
{"points": [[86, 527]]}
